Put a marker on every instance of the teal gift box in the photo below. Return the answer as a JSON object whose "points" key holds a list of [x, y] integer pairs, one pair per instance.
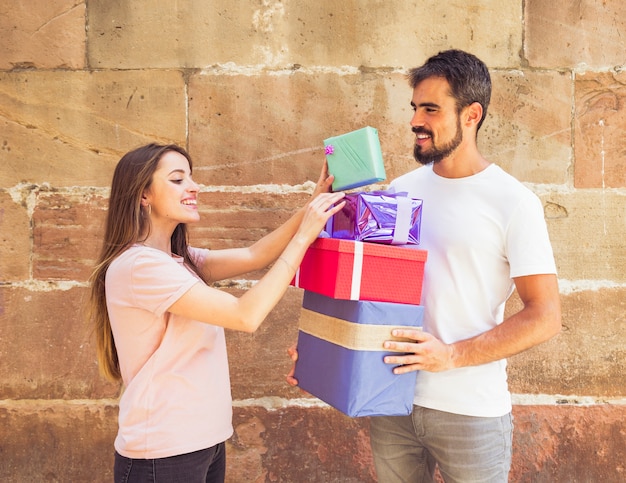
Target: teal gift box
{"points": [[355, 159]]}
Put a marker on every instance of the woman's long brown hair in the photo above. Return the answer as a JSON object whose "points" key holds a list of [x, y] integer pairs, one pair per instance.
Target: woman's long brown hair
{"points": [[125, 224]]}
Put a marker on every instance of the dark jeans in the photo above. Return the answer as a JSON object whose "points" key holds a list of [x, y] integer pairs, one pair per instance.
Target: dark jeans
{"points": [[204, 466]]}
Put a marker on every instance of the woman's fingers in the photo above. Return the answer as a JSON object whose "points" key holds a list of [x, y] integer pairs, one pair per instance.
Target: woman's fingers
{"points": [[326, 204], [318, 212], [324, 182], [326, 200]]}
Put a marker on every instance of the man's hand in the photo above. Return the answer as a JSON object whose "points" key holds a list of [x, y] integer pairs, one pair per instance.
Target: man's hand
{"points": [[427, 353]]}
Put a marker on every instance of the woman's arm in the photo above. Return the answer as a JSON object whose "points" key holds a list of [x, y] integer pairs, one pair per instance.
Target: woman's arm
{"points": [[231, 262], [246, 313]]}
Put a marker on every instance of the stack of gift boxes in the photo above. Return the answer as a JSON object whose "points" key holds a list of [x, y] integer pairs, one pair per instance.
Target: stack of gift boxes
{"points": [[361, 278]]}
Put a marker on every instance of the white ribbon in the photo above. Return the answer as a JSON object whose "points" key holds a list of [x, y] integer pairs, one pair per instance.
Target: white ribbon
{"points": [[357, 271], [403, 220]]}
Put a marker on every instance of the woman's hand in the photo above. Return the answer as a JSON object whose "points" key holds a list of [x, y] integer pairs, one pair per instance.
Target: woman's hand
{"points": [[317, 213], [324, 183]]}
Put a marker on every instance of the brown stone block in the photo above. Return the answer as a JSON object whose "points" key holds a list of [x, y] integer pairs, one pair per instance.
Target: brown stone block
{"points": [[587, 233], [550, 443], [68, 229], [568, 443], [48, 348], [583, 34], [600, 121], [238, 219], [247, 130], [287, 34], [586, 358], [66, 441], [57, 441], [259, 362], [528, 127], [15, 240], [403, 36], [270, 129], [298, 444], [183, 34], [70, 128], [44, 35]]}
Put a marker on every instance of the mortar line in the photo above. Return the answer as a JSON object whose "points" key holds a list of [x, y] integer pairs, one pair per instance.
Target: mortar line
{"points": [[272, 403]]}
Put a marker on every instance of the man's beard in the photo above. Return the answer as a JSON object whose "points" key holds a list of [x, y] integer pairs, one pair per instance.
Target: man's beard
{"points": [[436, 154]]}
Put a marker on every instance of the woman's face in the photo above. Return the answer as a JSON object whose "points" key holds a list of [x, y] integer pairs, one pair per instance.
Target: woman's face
{"points": [[173, 194]]}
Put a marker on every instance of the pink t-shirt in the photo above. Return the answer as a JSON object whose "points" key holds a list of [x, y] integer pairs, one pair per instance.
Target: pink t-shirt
{"points": [[176, 395]]}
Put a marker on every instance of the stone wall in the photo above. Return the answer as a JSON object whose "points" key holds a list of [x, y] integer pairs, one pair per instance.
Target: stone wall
{"points": [[252, 88]]}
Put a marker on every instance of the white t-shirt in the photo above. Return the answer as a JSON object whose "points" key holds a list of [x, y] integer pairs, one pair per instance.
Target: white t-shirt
{"points": [[480, 232], [175, 370]]}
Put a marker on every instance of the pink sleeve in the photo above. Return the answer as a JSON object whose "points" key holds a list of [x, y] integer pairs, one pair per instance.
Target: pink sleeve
{"points": [[158, 280], [198, 255]]}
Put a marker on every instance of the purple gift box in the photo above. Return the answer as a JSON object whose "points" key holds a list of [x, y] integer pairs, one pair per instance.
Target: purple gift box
{"points": [[340, 355], [378, 217]]}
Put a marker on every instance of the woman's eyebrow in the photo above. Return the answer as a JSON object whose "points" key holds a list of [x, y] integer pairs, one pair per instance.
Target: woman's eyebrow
{"points": [[182, 171]]}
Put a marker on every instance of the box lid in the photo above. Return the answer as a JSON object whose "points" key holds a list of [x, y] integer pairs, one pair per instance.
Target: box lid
{"points": [[404, 252]]}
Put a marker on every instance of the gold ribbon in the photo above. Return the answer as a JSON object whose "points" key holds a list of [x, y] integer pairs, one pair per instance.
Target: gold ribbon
{"points": [[351, 335]]}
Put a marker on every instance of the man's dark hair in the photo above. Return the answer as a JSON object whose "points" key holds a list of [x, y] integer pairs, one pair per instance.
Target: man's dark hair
{"points": [[467, 75]]}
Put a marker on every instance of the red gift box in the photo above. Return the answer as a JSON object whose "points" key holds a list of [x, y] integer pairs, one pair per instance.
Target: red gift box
{"points": [[352, 270]]}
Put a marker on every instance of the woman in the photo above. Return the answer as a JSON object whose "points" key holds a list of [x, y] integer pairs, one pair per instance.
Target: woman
{"points": [[160, 326]]}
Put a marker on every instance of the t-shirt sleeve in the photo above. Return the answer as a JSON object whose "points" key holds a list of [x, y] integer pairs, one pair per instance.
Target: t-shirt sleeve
{"points": [[158, 280], [528, 244], [198, 255]]}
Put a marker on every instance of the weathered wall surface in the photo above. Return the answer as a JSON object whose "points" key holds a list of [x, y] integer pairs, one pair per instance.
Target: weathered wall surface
{"points": [[252, 88]]}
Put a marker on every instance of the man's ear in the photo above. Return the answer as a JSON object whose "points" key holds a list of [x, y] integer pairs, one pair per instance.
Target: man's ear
{"points": [[473, 114]]}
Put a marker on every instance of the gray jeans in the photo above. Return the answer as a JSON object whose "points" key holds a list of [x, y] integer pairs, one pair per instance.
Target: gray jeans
{"points": [[467, 449]]}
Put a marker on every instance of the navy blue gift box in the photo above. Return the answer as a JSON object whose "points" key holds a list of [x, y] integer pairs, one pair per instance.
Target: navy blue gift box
{"points": [[340, 354]]}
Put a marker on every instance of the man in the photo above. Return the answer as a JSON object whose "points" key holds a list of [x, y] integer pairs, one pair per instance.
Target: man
{"points": [[485, 235]]}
